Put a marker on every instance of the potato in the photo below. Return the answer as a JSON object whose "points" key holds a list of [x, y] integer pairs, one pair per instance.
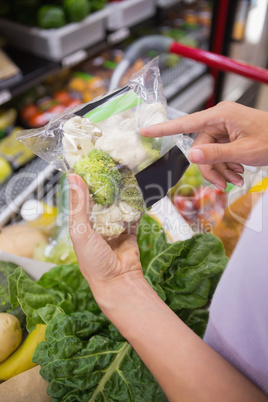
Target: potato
{"points": [[10, 335], [20, 239]]}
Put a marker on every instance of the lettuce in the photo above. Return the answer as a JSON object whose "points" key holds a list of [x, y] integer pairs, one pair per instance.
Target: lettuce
{"points": [[84, 357]]}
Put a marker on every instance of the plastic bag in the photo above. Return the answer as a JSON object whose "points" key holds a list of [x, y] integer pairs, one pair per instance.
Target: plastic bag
{"points": [[101, 142]]}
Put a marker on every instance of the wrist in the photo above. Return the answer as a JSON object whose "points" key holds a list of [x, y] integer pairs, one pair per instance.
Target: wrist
{"points": [[109, 294], [126, 298]]}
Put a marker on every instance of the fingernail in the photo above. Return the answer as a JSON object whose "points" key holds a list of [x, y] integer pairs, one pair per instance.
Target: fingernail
{"points": [[238, 183], [219, 187], [196, 155], [239, 170]]}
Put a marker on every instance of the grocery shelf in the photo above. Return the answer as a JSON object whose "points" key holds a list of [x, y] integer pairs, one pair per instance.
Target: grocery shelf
{"points": [[129, 13], [33, 68], [54, 44]]}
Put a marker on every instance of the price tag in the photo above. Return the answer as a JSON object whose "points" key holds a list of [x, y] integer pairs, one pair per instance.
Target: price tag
{"points": [[5, 96], [118, 36]]}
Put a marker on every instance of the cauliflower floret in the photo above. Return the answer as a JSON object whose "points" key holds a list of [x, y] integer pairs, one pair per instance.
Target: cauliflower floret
{"points": [[107, 221], [124, 147], [80, 135], [152, 113], [108, 231], [71, 153], [106, 215], [78, 126], [129, 213]]}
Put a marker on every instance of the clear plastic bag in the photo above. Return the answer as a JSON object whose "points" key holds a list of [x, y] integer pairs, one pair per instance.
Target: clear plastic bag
{"points": [[101, 142]]}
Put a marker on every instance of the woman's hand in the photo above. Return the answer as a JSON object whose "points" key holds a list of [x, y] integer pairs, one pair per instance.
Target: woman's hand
{"points": [[229, 135], [104, 265]]}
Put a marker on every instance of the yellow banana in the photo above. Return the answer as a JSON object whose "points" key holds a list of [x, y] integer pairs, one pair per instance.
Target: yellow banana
{"points": [[21, 359]]}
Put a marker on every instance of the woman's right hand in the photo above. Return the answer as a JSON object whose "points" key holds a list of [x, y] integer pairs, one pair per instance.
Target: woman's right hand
{"points": [[230, 135]]}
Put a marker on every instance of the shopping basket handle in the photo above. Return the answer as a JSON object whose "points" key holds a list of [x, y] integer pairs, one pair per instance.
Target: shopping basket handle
{"points": [[220, 62]]}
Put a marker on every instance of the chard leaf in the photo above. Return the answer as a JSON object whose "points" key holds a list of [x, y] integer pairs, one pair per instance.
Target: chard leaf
{"points": [[30, 296], [151, 240], [162, 261], [82, 367], [48, 312], [187, 283], [68, 280], [13, 288], [196, 299], [63, 287]]}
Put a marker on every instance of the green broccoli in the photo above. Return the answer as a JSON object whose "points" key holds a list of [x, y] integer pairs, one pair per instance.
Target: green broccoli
{"points": [[152, 149], [130, 190], [101, 175]]}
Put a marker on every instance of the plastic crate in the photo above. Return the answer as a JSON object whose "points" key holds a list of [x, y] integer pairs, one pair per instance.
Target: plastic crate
{"points": [[54, 44], [129, 12]]}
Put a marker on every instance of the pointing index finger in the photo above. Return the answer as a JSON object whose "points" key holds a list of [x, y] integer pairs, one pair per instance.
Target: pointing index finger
{"points": [[185, 124]]}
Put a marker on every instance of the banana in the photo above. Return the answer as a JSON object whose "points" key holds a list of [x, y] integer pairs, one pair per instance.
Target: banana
{"points": [[21, 359]]}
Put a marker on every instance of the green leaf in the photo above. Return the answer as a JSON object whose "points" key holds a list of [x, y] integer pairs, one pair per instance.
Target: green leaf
{"points": [[162, 261], [82, 367], [63, 286], [30, 295], [151, 239], [7, 304], [67, 281]]}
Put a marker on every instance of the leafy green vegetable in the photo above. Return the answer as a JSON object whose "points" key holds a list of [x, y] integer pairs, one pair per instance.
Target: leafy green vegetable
{"points": [[63, 287], [82, 364], [84, 357], [186, 271], [6, 269]]}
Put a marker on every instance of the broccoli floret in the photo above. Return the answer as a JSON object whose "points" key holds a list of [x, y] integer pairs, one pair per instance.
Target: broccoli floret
{"points": [[151, 147], [131, 192], [101, 175]]}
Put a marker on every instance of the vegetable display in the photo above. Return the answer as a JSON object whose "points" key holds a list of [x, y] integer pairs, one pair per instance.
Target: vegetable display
{"points": [[84, 357], [46, 15]]}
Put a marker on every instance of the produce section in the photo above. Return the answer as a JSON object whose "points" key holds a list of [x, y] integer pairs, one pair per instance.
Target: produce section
{"points": [[34, 197]]}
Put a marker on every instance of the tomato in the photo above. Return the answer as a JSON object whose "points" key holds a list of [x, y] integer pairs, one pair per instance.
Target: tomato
{"points": [[62, 96], [39, 119], [184, 205], [28, 111]]}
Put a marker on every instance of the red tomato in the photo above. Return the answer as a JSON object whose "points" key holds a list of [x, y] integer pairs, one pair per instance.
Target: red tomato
{"points": [[62, 96], [184, 205], [39, 119], [28, 111]]}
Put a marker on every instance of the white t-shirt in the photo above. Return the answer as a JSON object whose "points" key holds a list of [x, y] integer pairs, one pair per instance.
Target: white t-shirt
{"points": [[238, 323]]}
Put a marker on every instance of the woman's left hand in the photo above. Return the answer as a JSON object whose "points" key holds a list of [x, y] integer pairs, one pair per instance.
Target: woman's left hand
{"points": [[103, 264]]}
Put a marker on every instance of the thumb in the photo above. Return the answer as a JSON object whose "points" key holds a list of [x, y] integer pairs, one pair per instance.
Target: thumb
{"points": [[79, 206], [214, 153]]}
